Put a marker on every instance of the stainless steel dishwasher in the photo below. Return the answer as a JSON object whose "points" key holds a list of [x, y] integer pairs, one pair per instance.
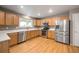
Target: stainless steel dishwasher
{"points": [[22, 36]]}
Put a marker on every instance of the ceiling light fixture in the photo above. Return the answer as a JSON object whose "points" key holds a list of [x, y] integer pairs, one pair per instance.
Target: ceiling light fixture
{"points": [[21, 6], [50, 11]]}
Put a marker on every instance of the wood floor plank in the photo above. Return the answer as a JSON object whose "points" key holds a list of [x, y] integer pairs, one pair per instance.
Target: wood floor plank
{"points": [[43, 45]]}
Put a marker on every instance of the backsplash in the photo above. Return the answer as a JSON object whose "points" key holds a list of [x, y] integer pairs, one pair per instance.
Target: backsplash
{"points": [[7, 27]]}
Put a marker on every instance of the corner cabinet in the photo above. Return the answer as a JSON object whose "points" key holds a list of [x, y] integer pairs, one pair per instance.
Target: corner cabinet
{"points": [[14, 38], [2, 18]]}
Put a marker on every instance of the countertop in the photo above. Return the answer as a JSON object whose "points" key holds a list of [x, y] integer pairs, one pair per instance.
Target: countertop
{"points": [[4, 36]]}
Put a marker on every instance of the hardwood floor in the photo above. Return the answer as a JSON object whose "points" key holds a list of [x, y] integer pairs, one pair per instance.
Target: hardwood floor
{"points": [[42, 45]]}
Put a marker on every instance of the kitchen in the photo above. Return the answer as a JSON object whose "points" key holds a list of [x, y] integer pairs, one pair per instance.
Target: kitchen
{"points": [[30, 28]]}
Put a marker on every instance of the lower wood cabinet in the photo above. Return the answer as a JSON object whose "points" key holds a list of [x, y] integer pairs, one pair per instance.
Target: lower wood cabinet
{"points": [[51, 34], [32, 34], [27, 35], [4, 47], [14, 38]]}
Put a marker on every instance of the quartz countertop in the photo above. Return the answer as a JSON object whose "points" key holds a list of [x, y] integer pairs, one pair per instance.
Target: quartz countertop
{"points": [[4, 36]]}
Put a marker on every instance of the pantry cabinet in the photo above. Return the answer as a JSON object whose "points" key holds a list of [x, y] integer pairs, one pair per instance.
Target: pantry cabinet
{"points": [[14, 38], [2, 18]]}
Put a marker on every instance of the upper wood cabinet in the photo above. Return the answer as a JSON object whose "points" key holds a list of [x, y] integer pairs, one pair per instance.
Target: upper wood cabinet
{"points": [[9, 19], [64, 17], [2, 18], [16, 20], [12, 19], [49, 21], [37, 22], [34, 22]]}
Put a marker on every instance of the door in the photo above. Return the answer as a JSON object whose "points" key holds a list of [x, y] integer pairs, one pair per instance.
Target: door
{"points": [[75, 20]]}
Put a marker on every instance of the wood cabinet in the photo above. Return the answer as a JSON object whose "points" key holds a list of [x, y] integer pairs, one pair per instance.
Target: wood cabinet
{"points": [[2, 18], [14, 38], [27, 35], [16, 20], [34, 22], [4, 47], [12, 19], [32, 34], [64, 17], [51, 34], [52, 21], [9, 19], [37, 22], [49, 22]]}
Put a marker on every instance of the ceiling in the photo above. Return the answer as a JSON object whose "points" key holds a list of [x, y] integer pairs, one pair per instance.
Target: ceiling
{"points": [[33, 10]]}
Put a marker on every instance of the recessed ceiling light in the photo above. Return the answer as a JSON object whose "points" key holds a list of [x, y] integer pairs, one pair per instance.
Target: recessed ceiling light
{"points": [[50, 11], [38, 14], [21, 6]]}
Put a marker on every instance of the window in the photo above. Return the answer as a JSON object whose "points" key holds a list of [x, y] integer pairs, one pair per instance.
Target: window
{"points": [[25, 22]]}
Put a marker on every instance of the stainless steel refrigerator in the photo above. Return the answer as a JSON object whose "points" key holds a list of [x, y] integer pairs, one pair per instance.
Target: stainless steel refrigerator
{"points": [[62, 31]]}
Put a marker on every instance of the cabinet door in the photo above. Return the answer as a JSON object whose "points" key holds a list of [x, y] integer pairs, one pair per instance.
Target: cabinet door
{"points": [[14, 38], [2, 18], [16, 20], [51, 34], [28, 36], [4, 47], [9, 19], [43, 21], [38, 22], [46, 20], [53, 21], [63, 17], [49, 21], [34, 22]]}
